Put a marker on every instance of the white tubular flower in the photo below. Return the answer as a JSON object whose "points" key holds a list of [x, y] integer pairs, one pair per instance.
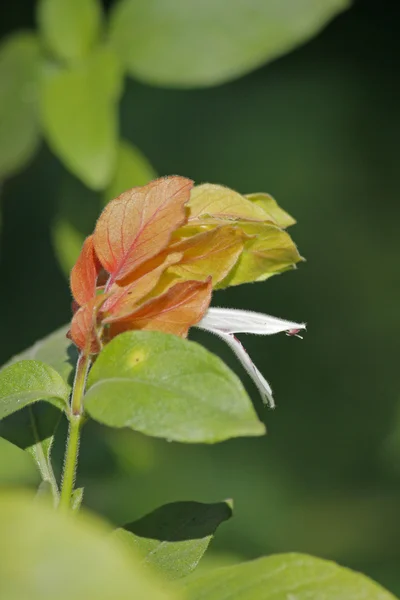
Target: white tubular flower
{"points": [[225, 322]]}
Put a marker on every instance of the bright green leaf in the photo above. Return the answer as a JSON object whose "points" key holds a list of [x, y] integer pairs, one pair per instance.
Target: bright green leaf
{"points": [[133, 169], [80, 116], [285, 577], [28, 381], [16, 466], [56, 350], [19, 123], [69, 27], [189, 44], [165, 386], [50, 555], [174, 537]]}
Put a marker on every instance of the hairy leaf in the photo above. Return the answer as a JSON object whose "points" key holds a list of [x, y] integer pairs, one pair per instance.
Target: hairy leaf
{"points": [[56, 350], [285, 577], [28, 381], [168, 387]]}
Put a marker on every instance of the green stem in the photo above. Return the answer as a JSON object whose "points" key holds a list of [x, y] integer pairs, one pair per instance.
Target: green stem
{"points": [[76, 420]]}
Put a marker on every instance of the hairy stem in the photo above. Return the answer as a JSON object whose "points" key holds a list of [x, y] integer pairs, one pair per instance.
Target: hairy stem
{"points": [[75, 424]]}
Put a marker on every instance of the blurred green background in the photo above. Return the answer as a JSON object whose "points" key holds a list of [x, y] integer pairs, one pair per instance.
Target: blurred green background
{"points": [[319, 130]]}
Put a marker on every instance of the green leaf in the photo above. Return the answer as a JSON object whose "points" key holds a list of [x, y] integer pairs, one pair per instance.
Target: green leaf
{"points": [[174, 537], [32, 429], [285, 577], [19, 130], [189, 44], [56, 350], [69, 28], [79, 109], [133, 169], [49, 555], [28, 381], [165, 386], [16, 466], [42, 422]]}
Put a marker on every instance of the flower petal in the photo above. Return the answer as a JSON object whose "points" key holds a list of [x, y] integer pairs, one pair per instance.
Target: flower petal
{"points": [[232, 320], [259, 380]]}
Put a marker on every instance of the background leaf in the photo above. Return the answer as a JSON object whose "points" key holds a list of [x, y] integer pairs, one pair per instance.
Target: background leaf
{"points": [[285, 577], [56, 350], [133, 169], [26, 382], [165, 386], [48, 547], [79, 114], [19, 123], [167, 42], [174, 537], [69, 27], [78, 208]]}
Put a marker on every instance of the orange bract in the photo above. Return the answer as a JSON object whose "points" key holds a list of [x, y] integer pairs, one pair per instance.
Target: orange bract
{"points": [[139, 223], [181, 307], [84, 273], [130, 247]]}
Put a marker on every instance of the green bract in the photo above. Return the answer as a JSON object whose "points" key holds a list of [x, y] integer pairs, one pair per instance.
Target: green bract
{"points": [[168, 387]]}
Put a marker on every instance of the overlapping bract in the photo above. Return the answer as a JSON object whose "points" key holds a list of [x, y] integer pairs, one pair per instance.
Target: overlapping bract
{"points": [[158, 250]]}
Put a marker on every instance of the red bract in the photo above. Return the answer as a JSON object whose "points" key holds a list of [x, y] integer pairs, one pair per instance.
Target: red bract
{"points": [[119, 281]]}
